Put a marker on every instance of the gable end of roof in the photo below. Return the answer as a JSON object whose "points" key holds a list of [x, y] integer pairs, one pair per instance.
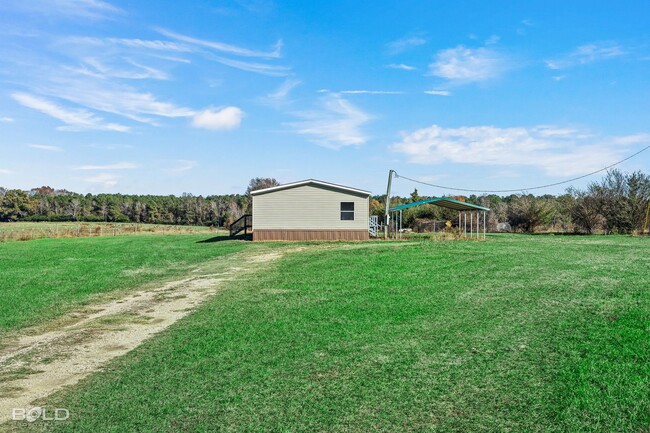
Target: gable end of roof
{"points": [[310, 182]]}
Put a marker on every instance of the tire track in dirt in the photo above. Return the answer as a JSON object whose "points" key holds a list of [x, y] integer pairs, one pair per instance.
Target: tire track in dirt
{"points": [[34, 366]]}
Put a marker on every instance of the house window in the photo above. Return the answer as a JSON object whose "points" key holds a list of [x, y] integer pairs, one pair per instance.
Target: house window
{"points": [[347, 211]]}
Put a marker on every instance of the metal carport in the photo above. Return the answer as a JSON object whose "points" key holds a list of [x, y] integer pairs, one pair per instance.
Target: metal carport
{"points": [[449, 203]]}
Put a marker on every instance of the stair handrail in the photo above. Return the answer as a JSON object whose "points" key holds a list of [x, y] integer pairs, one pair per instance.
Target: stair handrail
{"points": [[236, 228]]}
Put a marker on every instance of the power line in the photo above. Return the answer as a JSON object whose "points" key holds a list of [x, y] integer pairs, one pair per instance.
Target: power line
{"points": [[529, 188]]}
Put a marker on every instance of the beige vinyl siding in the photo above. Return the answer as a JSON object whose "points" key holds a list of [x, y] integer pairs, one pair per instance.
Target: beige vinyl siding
{"points": [[312, 207]]}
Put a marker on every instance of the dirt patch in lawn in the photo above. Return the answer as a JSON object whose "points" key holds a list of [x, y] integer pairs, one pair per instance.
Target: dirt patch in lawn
{"points": [[37, 363]]}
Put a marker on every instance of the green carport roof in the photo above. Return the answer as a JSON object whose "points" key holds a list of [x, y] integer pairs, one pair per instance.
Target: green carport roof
{"points": [[449, 203]]}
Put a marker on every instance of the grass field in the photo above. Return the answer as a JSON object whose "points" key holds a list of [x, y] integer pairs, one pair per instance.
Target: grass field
{"points": [[43, 279], [520, 334], [25, 231]]}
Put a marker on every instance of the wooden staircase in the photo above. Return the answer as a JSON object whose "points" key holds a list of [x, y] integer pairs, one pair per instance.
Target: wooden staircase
{"points": [[243, 224], [373, 226]]}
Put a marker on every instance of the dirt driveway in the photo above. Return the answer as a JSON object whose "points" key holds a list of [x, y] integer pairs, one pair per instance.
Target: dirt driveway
{"points": [[38, 362]]}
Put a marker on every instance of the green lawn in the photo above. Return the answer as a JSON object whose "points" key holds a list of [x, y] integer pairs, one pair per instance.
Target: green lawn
{"points": [[46, 278], [520, 333], [49, 226]]}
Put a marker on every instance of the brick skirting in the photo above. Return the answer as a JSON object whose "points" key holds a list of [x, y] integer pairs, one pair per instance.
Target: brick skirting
{"points": [[310, 235]]}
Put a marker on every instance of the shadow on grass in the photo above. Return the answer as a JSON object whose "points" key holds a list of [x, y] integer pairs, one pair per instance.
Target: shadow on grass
{"points": [[221, 238]]}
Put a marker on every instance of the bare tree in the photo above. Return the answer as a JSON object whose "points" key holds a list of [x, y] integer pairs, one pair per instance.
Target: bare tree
{"points": [[74, 209], [623, 198], [585, 211], [528, 212], [258, 183]]}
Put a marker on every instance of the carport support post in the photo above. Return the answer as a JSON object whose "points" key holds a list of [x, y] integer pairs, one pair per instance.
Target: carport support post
{"points": [[396, 224], [471, 224], [387, 222], [478, 219], [465, 224], [484, 215], [400, 223]]}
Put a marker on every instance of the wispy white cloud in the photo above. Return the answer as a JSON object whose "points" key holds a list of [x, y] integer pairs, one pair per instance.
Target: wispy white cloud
{"points": [[225, 48], [219, 119], [552, 131], [6, 119], [137, 71], [86, 76], [523, 29], [438, 92], [74, 119], [122, 101], [492, 40], [401, 66], [337, 124], [126, 44], [151, 44], [182, 166], [556, 151], [280, 96], [46, 147], [464, 65], [627, 140], [89, 9], [405, 43], [258, 68], [5, 171], [106, 180], [117, 99], [117, 166], [211, 50], [371, 92], [589, 53], [173, 59]]}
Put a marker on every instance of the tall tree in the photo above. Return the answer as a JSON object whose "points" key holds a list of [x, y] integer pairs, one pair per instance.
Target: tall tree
{"points": [[14, 205], [415, 196], [260, 183], [255, 184]]}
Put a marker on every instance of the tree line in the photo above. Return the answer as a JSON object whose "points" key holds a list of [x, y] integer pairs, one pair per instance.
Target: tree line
{"points": [[49, 204], [615, 204]]}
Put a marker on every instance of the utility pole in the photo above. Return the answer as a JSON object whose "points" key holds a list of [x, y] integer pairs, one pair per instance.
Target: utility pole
{"points": [[387, 219]]}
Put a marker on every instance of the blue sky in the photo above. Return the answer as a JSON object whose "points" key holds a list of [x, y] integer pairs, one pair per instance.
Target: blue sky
{"points": [[169, 97]]}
